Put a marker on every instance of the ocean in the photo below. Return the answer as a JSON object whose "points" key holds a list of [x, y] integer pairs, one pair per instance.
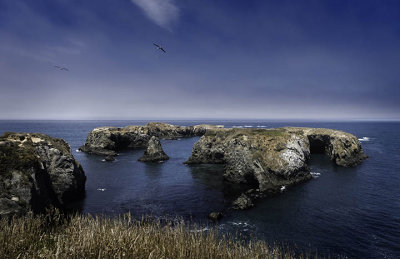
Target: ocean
{"points": [[352, 212]]}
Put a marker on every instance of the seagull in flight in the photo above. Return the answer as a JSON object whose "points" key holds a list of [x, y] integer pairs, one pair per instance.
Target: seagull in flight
{"points": [[159, 47], [61, 68]]}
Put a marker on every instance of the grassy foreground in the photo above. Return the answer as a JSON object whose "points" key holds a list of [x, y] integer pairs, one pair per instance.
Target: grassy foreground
{"points": [[55, 236]]}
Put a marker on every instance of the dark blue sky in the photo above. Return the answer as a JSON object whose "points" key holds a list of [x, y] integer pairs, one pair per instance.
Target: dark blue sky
{"points": [[225, 59]]}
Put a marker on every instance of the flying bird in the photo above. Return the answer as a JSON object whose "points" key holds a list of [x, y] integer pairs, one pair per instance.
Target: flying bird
{"points": [[61, 68], [159, 47]]}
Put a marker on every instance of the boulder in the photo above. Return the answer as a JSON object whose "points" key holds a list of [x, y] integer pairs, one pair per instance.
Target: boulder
{"points": [[109, 158], [243, 202], [154, 151], [36, 172], [215, 216]]}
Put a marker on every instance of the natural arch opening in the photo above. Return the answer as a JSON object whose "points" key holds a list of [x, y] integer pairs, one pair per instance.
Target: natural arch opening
{"points": [[319, 144]]}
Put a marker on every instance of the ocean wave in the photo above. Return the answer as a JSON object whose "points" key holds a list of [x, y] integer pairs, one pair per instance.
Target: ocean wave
{"points": [[240, 224], [237, 126], [200, 230], [364, 139], [261, 126], [248, 126], [315, 175], [78, 151]]}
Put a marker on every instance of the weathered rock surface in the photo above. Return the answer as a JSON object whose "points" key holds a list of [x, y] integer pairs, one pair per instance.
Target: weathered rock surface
{"points": [[215, 216], [154, 151], [344, 149], [242, 202], [109, 158], [37, 171], [268, 159], [109, 140]]}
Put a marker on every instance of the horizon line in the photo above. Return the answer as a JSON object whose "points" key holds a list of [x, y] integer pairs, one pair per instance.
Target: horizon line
{"points": [[221, 119]]}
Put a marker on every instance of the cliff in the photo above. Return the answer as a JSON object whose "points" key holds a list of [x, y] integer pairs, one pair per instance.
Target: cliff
{"points": [[37, 171]]}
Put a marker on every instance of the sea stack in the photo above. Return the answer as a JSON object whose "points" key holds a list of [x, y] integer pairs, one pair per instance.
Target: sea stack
{"points": [[37, 172], [154, 151]]}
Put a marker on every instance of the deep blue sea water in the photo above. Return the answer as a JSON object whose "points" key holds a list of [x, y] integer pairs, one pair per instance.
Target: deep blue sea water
{"points": [[353, 212]]}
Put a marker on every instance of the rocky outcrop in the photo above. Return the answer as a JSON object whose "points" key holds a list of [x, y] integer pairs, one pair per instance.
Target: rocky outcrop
{"points": [[107, 141], [215, 216], [109, 158], [243, 202], [344, 149], [37, 171], [154, 151], [268, 159]]}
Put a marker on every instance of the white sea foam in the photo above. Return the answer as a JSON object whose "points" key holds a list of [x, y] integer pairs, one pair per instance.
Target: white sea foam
{"points": [[315, 175], [248, 126], [78, 151], [261, 126], [101, 189], [103, 160], [283, 188], [237, 126], [242, 224], [364, 139], [200, 230]]}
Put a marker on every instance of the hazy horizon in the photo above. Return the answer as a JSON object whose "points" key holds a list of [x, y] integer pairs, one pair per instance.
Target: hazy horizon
{"points": [[260, 60], [218, 119]]}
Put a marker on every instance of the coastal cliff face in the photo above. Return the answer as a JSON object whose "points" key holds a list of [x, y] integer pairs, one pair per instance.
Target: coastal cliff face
{"points": [[37, 171], [109, 140], [268, 159]]}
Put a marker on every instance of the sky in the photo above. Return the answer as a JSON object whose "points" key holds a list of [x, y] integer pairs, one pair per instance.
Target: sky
{"points": [[225, 59]]}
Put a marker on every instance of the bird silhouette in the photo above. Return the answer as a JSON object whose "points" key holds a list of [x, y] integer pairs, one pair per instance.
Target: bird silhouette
{"points": [[61, 68], [159, 47]]}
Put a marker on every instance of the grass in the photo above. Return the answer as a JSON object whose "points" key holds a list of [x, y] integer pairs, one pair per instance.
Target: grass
{"points": [[56, 236]]}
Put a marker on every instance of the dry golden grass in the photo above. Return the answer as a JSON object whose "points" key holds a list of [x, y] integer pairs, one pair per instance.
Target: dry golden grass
{"points": [[55, 236]]}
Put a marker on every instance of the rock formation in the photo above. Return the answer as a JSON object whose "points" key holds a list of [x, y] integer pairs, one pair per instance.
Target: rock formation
{"points": [[37, 171], [107, 141], [154, 151], [268, 159], [242, 202], [109, 158], [215, 216]]}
